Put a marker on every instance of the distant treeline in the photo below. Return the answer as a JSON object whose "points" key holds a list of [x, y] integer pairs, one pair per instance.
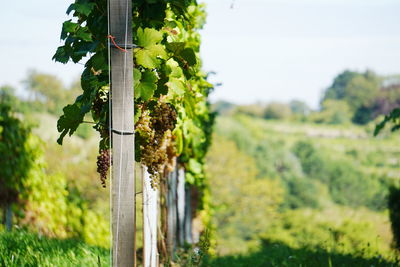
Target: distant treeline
{"points": [[358, 97], [43, 93]]}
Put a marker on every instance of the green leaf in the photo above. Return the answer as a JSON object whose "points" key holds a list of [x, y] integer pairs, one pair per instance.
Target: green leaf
{"points": [[189, 55], [189, 178], [69, 121], [158, 51], [145, 89], [195, 166], [68, 27], [150, 51], [84, 34], [173, 69], [179, 140], [84, 8], [70, 8], [61, 55], [148, 37], [190, 105], [393, 117], [176, 86], [175, 47], [146, 59], [82, 48], [98, 61], [149, 76], [138, 113], [171, 24], [137, 76]]}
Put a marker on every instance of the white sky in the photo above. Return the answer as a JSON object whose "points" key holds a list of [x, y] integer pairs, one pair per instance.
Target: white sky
{"points": [[261, 50]]}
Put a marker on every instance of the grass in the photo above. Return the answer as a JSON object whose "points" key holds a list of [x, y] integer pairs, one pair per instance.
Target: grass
{"points": [[279, 254], [22, 249]]}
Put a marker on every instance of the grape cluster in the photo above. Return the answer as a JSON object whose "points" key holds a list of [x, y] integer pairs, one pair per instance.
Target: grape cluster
{"points": [[143, 126], [103, 164], [158, 151], [97, 106], [163, 118]]}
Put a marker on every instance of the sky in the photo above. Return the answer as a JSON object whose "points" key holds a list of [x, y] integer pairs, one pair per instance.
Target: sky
{"points": [[261, 50]]}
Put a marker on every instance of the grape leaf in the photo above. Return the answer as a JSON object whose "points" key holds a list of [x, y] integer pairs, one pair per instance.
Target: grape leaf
{"points": [[176, 86], [145, 89], [190, 105], [68, 27], [61, 55], [148, 37], [138, 113], [158, 51], [84, 8], [173, 69], [69, 121], [189, 55], [137, 76], [84, 34], [175, 47], [150, 51], [148, 57]]}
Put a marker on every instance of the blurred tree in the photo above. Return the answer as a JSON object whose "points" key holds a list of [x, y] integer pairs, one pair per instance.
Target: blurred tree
{"points": [[299, 108], [48, 93], [362, 90], [16, 156], [333, 112], [278, 111], [223, 107], [337, 89], [7, 95], [255, 110], [358, 90]]}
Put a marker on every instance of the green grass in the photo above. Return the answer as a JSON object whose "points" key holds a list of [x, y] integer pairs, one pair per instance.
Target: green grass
{"points": [[22, 249], [279, 254]]}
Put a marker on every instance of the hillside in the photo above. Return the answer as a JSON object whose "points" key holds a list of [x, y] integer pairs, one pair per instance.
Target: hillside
{"points": [[308, 188]]}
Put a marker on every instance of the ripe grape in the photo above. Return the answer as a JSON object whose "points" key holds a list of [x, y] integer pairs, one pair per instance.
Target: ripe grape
{"points": [[103, 165]]}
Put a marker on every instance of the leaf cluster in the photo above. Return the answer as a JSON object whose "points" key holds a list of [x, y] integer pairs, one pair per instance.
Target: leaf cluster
{"points": [[167, 70]]}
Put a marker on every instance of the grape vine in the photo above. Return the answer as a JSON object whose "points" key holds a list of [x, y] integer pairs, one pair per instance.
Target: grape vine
{"points": [[172, 114]]}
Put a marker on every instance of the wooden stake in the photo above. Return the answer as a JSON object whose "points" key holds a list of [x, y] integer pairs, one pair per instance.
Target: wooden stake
{"points": [[188, 215], [123, 186], [172, 213], [150, 219], [180, 200]]}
